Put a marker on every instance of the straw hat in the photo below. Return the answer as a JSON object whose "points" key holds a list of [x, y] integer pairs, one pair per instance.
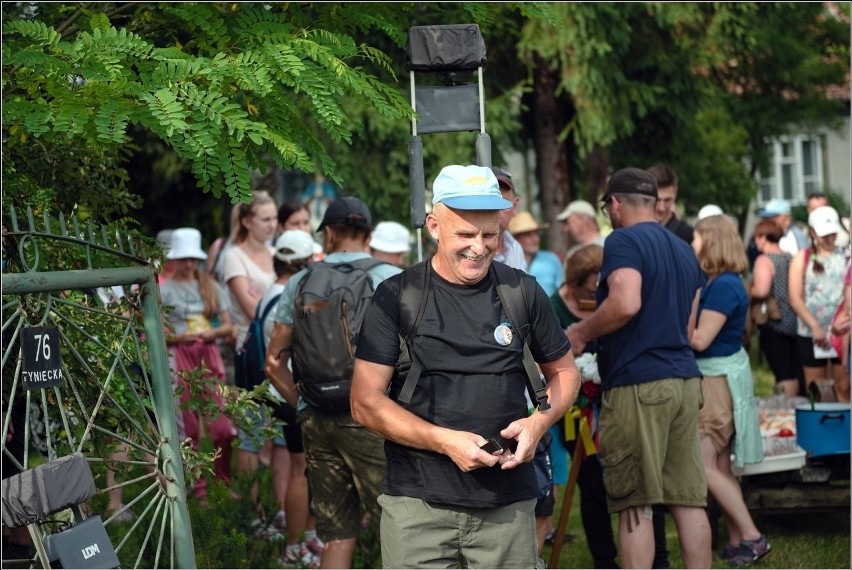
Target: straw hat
{"points": [[524, 222]]}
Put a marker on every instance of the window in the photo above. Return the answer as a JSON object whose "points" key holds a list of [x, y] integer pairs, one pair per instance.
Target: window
{"points": [[795, 172]]}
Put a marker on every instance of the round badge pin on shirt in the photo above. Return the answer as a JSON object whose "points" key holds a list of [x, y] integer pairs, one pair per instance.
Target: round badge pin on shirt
{"points": [[503, 334]]}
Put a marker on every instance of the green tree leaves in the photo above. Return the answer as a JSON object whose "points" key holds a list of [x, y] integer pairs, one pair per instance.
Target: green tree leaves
{"points": [[246, 85]]}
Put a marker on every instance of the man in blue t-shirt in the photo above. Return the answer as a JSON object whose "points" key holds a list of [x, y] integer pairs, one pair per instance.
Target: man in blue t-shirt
{"points": [[445, 499], [648, 295]]}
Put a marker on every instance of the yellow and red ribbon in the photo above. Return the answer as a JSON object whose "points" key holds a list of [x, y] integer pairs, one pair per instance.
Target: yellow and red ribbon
{"points": [[576, 413]]}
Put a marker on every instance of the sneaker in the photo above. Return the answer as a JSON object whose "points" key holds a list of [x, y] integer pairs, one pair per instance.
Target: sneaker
{"points": [[280, 520], [301, 558], [726, 553], [750, 551], [266, 532], [550, 538], [315, 545]]}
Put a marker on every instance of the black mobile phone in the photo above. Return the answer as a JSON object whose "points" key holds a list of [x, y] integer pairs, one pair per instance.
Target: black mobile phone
{"points": [[492, 446]]}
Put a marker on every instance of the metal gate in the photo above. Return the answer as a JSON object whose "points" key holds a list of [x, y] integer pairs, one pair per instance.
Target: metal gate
{"points": [[113, 399]]}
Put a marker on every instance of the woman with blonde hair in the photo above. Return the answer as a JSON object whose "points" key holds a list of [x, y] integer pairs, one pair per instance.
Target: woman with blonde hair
{"points": [[248, 270], [728, 420], [816, 290], [248, 273]]}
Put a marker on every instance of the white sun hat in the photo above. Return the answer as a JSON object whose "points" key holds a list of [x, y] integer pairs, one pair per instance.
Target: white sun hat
{"points": [[186, 244], [709, 210], [391, 237]]}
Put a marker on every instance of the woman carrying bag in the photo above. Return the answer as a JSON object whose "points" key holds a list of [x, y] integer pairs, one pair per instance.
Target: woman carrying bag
{"points": [[197, 301], [816, 290]]}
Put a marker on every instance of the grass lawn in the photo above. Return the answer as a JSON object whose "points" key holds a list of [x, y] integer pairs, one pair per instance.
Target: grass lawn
{"points": [[811, 541], [798, 540]]}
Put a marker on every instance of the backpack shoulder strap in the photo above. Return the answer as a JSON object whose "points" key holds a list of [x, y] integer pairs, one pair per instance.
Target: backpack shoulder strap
{"points": [[367, 265], [272, 302], [414, 290], [513, 296], [259, 318]]}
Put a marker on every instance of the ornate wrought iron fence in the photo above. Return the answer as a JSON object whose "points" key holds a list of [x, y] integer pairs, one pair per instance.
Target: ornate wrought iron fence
{"points": [[113, 399]]}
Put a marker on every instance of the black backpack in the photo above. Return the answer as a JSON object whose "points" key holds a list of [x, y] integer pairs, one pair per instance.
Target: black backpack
{"points": [[414, 290], [330, 303], [250, 359]]}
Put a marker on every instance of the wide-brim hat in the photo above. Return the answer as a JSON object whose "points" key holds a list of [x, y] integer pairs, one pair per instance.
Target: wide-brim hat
{"points": [[824, 221], [524, 222], [468, 188], [293, 245], [391, 237], [186, 244]]}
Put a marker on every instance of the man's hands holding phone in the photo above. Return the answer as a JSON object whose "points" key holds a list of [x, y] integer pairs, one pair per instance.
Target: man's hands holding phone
{"points": [[470, 451], [492, 446]]}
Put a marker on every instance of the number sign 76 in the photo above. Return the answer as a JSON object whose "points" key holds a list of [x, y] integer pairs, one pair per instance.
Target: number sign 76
{"points": [[42, 346]]}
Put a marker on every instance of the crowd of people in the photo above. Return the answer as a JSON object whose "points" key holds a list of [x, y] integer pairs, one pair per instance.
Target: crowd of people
{"points": [[639, 334]]}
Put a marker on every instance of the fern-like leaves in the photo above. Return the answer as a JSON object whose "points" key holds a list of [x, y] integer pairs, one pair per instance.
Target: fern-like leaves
{"points": [[249, 85]]}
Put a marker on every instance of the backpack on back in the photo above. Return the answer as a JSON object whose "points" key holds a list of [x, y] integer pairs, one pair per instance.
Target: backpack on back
{"points": [[250, 359], [329, 308]]}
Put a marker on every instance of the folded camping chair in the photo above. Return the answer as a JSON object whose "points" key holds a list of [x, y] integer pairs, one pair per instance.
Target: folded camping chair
{"points": [[453, 52], [33, 495]]}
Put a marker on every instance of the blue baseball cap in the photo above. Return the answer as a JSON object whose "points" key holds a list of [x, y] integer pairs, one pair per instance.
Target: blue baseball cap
{"points": [[775, 207], [468, 188]]}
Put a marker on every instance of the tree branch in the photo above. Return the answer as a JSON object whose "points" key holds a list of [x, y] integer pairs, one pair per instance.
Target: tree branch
{"points": [[73, 17], [121, 9]]}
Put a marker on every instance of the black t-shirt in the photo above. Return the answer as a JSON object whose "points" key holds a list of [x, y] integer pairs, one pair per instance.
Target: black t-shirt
{"points": [[681, 229], [469, 382]]}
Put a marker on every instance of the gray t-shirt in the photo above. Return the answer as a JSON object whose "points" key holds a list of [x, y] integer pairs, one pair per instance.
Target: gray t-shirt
{"points": [[187, 314]]}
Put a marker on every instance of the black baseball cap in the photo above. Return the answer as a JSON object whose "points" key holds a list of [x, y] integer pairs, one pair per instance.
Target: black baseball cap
{"points": [[348, 211], [632, 181]]}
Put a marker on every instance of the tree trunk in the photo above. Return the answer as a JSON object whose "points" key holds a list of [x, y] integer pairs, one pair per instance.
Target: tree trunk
{"points": [[597, 170], [550, 116]]}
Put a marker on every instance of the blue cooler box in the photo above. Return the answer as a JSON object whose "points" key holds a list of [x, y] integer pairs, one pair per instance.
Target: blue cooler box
{"points": [[823, 430]]}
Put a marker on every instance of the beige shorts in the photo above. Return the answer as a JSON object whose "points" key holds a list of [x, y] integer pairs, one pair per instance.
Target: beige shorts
{"points": [[650, 451], [716, 418]]}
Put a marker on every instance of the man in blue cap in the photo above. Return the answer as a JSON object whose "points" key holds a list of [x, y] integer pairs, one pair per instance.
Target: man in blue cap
{"points": [[794, 239], [446, 500]]}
